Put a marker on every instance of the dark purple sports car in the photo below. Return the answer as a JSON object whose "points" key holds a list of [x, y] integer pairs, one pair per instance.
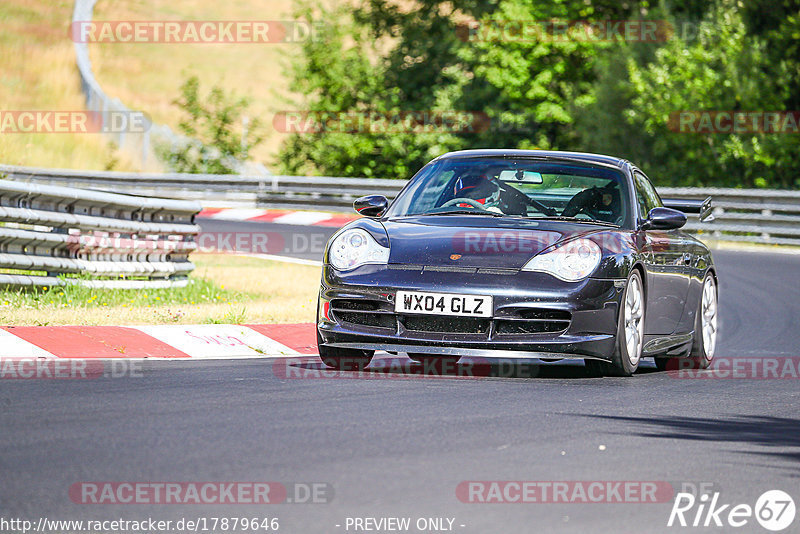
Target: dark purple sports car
{"points": [[520, 254]]}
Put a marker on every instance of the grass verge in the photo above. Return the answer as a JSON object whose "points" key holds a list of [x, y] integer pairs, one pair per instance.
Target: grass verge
{"points": [[38, 73], [224, 289], [148, 76]]}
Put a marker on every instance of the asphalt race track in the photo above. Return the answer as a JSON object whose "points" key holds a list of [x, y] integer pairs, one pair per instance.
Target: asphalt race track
{"points": [[399, 445]]}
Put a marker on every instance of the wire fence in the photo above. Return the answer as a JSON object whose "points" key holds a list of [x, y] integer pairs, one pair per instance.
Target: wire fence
{"points": [[140, 144]]}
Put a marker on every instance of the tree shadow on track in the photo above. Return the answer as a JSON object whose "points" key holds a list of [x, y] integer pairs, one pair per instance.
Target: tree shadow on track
{"points": [[761, 430]]}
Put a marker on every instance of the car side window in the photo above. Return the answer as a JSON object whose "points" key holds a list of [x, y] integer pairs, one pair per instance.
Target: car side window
{"points": [[646, 194]]}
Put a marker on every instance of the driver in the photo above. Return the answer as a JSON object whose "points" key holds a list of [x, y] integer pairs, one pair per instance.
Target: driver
{"points": [[478, 187], [600, 203]]}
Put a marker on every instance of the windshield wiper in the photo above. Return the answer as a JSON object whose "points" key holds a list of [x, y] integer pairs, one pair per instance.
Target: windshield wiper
{"points": [[574, 219], [465, 212]]}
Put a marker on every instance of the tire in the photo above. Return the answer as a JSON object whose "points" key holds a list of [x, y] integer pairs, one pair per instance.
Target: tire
{"points": [[343, 359], [630, 333], [706, 325], [702, 352]]}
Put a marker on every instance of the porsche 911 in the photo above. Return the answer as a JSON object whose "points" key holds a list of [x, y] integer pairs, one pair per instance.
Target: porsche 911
{"points": [[521, 254]]}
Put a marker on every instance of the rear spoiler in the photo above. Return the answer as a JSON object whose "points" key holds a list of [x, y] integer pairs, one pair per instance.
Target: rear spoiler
{"points": [[688, 205]]}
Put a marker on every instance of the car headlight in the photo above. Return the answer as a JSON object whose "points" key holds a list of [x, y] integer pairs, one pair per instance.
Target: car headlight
{"points": [[355, 247], [570, 262]]}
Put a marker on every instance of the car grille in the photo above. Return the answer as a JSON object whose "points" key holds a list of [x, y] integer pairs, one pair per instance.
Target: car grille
{"points": [[533, 321], [366, 319], [453, 269], [380, 314], [445, 325], [363, 312]]}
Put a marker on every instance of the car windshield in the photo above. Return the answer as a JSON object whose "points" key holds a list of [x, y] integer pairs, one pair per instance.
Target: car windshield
{"points": [[516, 187]]}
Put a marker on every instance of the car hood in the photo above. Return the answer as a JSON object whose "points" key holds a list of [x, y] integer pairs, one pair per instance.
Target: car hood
{"points": [[476, 241]]}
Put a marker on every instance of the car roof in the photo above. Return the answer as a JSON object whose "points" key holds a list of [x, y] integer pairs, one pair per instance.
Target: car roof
{"points": [[543, 154]]}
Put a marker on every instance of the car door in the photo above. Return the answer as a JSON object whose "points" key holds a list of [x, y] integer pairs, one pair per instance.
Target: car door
{"points": [[667, 256]]}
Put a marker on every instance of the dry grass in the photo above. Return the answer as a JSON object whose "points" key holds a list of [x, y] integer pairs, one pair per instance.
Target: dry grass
{"points": [[280, 292], [235, 289], [148, 76], [37, 72]]}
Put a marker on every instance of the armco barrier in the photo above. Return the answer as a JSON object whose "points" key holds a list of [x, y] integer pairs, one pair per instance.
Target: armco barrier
{"points": [[314, 192], [109, 240], [754, 215]]}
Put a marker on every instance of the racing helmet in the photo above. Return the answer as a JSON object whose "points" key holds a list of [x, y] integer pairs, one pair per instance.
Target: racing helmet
{"points": [[478, 187]]}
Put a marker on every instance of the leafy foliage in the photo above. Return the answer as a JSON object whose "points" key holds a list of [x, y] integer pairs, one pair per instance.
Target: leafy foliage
{"points": [[542, 91], [214, 144]]}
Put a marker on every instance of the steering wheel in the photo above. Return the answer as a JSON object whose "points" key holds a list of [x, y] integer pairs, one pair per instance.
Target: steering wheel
{"points": [[543, 208], [580, 202], [517, 201], [462, 200]]}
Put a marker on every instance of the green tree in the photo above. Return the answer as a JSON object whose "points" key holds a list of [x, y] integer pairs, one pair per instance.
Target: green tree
{"points": [[535, 84], [377, 61], [724, 69], [387, 57], [214, 144]]}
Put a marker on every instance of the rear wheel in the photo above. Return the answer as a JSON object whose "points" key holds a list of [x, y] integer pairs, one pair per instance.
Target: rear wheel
{"points": [[630, 333], [704, 341], [705, 325], [344, 359]]}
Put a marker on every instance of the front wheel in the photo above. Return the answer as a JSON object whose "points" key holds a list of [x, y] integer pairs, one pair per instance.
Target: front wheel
{"points": [[344, 359], [630, 333]]}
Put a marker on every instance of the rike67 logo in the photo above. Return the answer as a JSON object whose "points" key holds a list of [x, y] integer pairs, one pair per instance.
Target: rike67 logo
{"points": [[774, 510]]}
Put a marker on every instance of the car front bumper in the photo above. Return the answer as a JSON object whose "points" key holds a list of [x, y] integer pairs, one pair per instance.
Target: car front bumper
{"points": [[534, 314]]}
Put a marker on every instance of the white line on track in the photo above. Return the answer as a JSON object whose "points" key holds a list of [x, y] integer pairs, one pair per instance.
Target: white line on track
{"points": [[218, 341], [12, 346], [305, 218], [287, 259]]}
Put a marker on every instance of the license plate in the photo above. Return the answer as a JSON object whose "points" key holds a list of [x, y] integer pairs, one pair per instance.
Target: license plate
{"points": [[443, 304]]}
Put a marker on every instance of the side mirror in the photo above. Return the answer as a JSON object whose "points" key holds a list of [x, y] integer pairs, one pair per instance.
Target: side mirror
{"points": [[371, 205], [664, 219]]}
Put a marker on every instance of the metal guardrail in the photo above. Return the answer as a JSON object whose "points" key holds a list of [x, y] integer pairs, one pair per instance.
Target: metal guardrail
{"points": [[753, 215], [53, 236], [304, 192]]}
